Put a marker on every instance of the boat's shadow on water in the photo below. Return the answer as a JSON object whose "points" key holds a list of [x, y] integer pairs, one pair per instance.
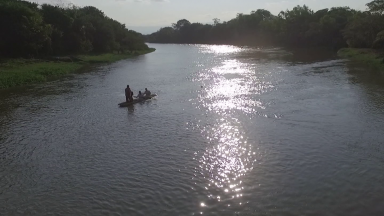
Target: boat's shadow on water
{"points": [[131, 108]]}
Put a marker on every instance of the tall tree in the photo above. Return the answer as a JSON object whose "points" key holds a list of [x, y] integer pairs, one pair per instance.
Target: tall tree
{"points": [[23, 32], [180, 24], [376, 6]]}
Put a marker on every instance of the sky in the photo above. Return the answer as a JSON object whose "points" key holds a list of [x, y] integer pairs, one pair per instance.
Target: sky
{"points": [[148, 16]]}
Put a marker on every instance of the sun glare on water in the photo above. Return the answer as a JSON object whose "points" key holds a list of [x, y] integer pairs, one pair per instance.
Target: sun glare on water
{"points": [[220, 49], [229, 91]]}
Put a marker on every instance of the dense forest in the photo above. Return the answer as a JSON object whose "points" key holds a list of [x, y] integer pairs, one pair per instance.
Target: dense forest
{"points": [[334, 28], [33, 30]]}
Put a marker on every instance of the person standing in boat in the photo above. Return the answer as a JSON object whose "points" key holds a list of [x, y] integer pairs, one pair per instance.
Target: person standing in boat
{"points": [[147, 93], [128, 94]]}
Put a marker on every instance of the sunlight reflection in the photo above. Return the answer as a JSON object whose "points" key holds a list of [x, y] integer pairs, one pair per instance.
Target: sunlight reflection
{"points": [[234, 88], [220, 49], [228, 160], [229, 91]]}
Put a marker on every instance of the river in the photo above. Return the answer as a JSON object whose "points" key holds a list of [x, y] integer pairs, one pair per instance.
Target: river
{"points": [[233, 131]]}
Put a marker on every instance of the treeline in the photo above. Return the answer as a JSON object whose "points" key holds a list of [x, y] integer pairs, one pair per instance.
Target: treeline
{"points": [[31, 30], [335, 28]]}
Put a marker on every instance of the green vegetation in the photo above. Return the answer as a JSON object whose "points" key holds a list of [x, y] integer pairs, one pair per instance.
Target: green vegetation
{"points": [[16, 72], [23, 71], [370, 57], [333, 28], [31, 30], [109, 57], [38, 42]]}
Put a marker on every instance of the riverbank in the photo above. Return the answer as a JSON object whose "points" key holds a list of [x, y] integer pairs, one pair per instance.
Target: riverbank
{"points": [[370, 57], [18, 72]]}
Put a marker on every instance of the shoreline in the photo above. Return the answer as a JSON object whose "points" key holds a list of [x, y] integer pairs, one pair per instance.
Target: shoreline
{"points": [[20, 72], [370, 57]]}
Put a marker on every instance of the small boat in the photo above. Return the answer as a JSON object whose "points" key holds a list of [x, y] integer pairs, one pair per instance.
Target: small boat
{"points": [[126, 104]]}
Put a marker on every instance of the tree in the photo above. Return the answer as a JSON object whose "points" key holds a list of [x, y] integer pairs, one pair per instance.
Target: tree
{"points": [[180, 24], [362, 30], [164, 35], [379, 41], [61, 24], [29, 30], [376, 6], [216, 21], [23, 32], [335, 28]]}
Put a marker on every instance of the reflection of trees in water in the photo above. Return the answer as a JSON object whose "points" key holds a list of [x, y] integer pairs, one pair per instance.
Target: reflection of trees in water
{"points": [[7, 106], [3, 131], [363, 74], [265, 54], [371, 83], [36, 99], [304, 55]]}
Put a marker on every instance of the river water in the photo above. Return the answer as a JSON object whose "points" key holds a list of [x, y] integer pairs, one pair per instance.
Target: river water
{"points": [[233, 131]]}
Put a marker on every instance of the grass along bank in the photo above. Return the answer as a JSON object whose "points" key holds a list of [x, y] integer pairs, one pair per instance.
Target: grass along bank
{"points": [[370, 57], [18, 72]]}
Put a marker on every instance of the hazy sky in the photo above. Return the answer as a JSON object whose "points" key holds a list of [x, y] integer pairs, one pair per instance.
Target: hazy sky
{"points": [[147, 16]]}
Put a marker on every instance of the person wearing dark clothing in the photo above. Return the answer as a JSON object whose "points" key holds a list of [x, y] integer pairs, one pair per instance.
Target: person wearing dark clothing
{"points": [[147, 93], [128, 94], [140, 95]]}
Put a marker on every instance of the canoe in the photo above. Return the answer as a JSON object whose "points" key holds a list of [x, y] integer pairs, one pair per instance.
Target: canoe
{"points": [[125, 104]]}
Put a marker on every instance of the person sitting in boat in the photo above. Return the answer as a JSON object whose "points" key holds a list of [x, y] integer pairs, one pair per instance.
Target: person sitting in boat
{"points": [[140, 95], [128, 94], [147, 93]]}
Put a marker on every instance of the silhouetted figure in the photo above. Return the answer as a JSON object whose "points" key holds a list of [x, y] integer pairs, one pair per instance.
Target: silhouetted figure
{"points": [[128, 94], [140, 95], [147, 93]]}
